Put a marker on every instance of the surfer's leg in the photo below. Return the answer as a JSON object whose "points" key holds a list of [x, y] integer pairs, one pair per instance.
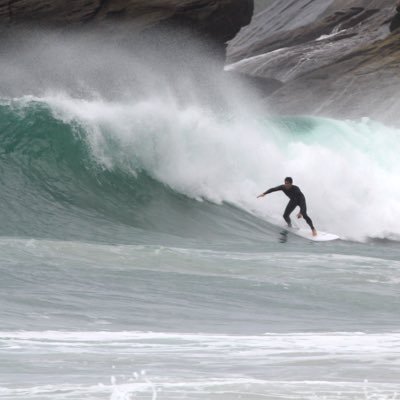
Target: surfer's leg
{"points": [[303, 212], [289, 209], [308, 220]]}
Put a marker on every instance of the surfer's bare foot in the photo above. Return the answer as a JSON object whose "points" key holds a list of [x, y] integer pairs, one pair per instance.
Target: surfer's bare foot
{"points": [[299, 215], [314, 232]]}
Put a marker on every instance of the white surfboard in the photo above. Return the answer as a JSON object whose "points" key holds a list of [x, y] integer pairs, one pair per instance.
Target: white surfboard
{"points": [[307, 234]]}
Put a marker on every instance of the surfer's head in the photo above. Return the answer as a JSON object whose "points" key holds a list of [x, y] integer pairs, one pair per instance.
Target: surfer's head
{"points": [[288, 182]]}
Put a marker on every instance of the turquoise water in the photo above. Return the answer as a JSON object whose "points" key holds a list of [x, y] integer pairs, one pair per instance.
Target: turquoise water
{"points": [[136, 261]]}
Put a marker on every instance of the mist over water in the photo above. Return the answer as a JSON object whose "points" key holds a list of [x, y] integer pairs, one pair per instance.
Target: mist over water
{"points": [[136, 260]]}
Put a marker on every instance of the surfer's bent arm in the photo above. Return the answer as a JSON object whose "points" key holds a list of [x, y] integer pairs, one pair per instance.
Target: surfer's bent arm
{"points": [[275, 189]]}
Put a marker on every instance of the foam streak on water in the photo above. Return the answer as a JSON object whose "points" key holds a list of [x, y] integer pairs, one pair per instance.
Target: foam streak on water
{"points": [[201, 365]]}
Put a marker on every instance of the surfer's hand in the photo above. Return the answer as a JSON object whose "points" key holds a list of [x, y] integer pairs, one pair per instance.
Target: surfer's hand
{"points": [[299, 215], [261, 195]]}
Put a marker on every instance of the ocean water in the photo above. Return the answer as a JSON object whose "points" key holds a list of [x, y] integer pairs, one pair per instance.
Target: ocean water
{"points": [[137, 263]]}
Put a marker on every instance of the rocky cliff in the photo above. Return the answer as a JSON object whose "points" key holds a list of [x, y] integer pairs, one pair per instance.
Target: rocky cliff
{"points": [[335, 58]]}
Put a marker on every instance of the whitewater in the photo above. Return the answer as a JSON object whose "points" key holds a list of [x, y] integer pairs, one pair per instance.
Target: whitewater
{"points": [[136, 260]]}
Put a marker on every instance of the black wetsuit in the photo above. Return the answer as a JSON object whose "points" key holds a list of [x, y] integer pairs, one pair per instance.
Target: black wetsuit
{"points": [[296, 199]]}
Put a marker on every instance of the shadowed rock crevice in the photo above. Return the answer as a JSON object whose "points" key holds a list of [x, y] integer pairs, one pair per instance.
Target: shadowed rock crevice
{"points": [[395, 23]]}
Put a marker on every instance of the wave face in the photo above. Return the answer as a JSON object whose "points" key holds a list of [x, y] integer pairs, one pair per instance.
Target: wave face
{"points": [[143, 164]]}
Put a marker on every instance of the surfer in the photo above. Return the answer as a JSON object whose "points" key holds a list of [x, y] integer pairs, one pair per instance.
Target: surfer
{"points": [[296, 199]]}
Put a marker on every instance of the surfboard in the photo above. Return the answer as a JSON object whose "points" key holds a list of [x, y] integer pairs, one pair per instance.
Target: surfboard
{"points": [[307, 234]]}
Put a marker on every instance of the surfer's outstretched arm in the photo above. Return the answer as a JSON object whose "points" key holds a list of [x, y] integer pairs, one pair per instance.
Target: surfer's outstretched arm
{"points": [[275, 189]]}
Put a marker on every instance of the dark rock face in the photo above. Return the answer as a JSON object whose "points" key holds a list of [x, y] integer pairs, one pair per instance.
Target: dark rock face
{"points": [[341, 63], [220, 20], [395, 24]]}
